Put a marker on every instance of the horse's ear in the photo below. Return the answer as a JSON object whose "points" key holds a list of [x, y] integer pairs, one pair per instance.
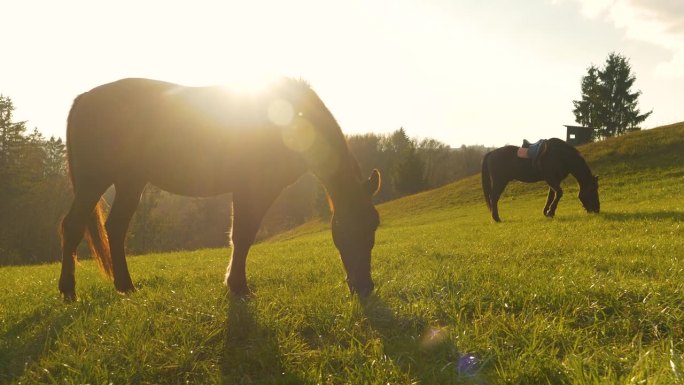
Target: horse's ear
{"points": [[372, 185]]}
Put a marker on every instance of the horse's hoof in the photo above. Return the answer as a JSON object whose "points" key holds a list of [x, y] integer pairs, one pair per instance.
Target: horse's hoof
{"points": [[240, 291], [124, 288], [68, 289], [126, 291], [69, 297], [237, 287]]}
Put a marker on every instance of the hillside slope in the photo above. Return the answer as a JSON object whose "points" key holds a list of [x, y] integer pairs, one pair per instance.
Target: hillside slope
{"points": [[637, 158], [634, 156]]}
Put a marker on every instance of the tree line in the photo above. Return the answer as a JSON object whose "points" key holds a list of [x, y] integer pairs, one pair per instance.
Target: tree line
{"points": [[35, 193]]}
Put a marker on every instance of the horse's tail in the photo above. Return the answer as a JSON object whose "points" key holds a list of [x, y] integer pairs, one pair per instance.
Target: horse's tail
{"points": [[98, 240], [486, 182], [95, 232]]}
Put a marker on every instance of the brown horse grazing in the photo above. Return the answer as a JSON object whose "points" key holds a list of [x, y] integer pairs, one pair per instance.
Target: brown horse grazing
{"points": [[556, 160], [201, 141]]}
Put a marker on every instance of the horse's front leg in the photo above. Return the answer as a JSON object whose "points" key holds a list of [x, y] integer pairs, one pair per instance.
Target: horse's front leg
{"points": [[554, 203], [549, 198], [248, 211]]}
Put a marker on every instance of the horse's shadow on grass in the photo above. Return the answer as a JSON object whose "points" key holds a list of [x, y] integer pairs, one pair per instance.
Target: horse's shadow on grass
{"points": [[251, 354], [415, 346], [643, 215], [20, 350]]}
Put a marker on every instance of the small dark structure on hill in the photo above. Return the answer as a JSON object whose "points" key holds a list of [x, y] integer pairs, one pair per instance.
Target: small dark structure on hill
{"points": [[577, 135]]}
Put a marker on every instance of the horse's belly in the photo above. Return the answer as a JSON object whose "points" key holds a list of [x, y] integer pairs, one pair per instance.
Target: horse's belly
{"points": [[194, 175], [201, 174], [193, 185], [530, 177]]}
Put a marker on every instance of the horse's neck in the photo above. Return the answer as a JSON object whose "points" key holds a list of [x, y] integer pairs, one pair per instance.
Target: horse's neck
{"points": [[581, 171], [342, 184]]}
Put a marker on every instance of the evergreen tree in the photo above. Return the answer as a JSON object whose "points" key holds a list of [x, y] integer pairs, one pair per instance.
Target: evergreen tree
{"points": [[34, 191], [608, 104], [55, 157], [11, 139], [587, 110], [409, 177], [408, 167]]}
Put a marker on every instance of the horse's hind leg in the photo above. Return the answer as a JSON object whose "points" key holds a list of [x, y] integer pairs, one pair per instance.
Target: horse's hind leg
{"points": [[497, 190], [125, 202], [73, 229]]}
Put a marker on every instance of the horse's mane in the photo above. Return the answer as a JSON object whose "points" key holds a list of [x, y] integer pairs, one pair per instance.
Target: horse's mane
{"points": [[580, 166], [295, 84], [328, 128], [560, 144], [331, 131]]}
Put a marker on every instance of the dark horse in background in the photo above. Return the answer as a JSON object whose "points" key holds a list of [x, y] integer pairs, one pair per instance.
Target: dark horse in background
{"points": [[555, 161], [202, 141]]}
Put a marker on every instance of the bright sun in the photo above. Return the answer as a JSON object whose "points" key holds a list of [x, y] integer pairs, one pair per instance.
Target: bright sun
{"points": [[248, 81]]}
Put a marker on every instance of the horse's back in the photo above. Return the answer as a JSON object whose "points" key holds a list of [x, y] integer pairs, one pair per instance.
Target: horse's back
{"points": [[188, 140], [116, 108], [111, 127]]}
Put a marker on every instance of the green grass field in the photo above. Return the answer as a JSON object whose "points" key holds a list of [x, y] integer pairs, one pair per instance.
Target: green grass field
{"points": [[580, 299]]}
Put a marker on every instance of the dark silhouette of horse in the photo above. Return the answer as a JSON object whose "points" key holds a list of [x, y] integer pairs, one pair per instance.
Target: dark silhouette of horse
{"points": [[202, 141], [555, 161]]}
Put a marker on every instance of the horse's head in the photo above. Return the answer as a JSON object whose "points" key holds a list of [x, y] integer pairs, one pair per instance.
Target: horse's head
{"points": [[353, 231], [589, 196]]}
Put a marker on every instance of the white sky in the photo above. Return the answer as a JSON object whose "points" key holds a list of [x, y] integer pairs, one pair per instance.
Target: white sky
{"points": [[462, 72]]}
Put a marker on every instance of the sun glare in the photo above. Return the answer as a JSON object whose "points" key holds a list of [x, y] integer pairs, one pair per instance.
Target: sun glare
{"points": [[280, 112], [300, 135], [249, 81]]}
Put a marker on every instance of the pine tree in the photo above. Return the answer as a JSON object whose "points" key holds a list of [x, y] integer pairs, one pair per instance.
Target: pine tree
{"points": [[11, 137], [608, 104], [408, 166], [587, 110], [55, 157], [34, 191]]}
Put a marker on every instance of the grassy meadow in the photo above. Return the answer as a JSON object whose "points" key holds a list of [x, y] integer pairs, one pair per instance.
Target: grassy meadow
{"points": [[579, 299]]}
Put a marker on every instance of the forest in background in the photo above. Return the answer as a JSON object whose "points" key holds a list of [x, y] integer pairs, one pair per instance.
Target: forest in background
{"points": [[35, 193]]}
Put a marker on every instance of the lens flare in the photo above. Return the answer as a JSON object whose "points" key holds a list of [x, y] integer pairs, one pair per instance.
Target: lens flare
{"points": [[468, 364], [433, 336], [280, 112], [298, 136]]}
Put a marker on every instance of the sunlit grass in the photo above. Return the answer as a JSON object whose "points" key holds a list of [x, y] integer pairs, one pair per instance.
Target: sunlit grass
{"points": [[581, 299]]}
